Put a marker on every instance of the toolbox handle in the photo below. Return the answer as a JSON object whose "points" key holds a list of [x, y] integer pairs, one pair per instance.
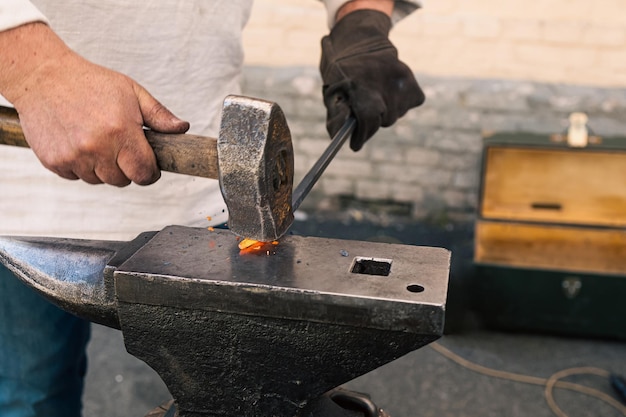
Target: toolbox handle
{"points": [[546, 206]]}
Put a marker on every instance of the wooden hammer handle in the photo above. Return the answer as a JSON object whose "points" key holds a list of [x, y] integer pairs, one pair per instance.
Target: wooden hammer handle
{"points": [[179, 153]]}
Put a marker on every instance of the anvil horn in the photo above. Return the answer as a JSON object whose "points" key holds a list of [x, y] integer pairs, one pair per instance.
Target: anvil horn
{"points": [[75, 274]]}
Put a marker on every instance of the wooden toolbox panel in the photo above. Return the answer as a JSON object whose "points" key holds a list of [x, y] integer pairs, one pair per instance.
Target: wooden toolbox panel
{"points": [[572, 186], [551, 247]]}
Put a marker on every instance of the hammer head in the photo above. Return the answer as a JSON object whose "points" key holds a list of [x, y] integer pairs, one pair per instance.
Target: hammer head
{"points": [[255, 159]]}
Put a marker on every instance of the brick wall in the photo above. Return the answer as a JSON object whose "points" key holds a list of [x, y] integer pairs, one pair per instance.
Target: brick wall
{"points": [[485, 66]]}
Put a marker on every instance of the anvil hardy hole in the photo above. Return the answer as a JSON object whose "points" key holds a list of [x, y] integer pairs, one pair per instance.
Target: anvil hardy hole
{"points": [[371, 266], [415, 288]]}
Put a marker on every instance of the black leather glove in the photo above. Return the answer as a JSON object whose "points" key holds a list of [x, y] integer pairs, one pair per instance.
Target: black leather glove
{"points": [[362, 75]]}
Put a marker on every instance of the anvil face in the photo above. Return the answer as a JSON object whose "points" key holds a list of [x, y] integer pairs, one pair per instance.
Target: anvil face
{"points": [[298, 278]]}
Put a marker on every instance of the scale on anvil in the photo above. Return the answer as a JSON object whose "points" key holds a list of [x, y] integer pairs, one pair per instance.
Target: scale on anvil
{"points": [[241, 334]]}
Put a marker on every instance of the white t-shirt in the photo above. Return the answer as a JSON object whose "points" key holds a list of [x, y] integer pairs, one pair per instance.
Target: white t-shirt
{"points": [[188, 54]]}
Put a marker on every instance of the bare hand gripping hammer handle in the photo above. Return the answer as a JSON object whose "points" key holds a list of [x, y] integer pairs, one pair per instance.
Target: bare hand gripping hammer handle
{"points": [[178, 153], [184, 153], [198, 156]]}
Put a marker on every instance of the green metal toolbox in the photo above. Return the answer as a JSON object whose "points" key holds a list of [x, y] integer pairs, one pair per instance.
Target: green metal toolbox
{"points": [[550, 237]]}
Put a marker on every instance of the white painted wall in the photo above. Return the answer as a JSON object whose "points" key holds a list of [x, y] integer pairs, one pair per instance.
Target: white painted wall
{"points": [[557, 41]]}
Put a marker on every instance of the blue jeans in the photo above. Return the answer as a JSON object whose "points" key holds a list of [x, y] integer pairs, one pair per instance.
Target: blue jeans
{"points": [[42, 354]]}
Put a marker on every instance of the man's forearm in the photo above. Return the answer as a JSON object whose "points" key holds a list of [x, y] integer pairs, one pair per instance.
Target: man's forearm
{"points": [[385, 6], [398, 9], [25, 49]]}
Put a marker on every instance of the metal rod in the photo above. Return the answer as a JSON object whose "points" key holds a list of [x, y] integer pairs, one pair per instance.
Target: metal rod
{"points": [[314, 173]]}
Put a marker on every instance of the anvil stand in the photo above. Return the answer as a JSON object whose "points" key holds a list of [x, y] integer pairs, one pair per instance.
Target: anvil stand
{"points": [[257, 333]]}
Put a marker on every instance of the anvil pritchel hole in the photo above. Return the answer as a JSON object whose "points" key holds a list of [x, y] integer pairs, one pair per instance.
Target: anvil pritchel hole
{"points": [[415, 288], [371, 266]]}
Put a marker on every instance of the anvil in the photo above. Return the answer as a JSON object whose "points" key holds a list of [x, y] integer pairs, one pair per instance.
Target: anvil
{"points": [[245, 333]]}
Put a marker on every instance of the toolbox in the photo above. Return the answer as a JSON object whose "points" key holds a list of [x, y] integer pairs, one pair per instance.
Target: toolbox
{"points": [[550, 236]]}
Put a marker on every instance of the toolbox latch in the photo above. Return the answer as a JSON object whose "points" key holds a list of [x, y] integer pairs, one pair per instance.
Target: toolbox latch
{"points": [[577, 132]]}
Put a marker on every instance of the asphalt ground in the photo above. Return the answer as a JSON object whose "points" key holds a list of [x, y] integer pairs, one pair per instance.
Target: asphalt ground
{"points": [[423, 383]]}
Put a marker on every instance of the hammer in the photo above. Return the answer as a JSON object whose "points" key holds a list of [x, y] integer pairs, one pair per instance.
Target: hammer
{"points": [[252, 158]]}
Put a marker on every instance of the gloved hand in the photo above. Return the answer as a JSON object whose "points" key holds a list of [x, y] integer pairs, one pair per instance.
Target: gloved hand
{"points": [[362, 75]]}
